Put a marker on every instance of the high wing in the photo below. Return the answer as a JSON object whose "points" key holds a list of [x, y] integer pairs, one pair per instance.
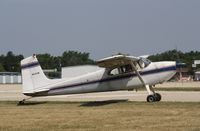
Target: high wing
{"points": [[117, 60]]}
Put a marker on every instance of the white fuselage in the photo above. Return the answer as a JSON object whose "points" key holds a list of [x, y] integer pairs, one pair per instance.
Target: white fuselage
{"points": [[101, 81]]}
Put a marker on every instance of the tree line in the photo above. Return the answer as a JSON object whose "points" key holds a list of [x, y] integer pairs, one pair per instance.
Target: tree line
{"points": [[11, 62], [178, 56]]}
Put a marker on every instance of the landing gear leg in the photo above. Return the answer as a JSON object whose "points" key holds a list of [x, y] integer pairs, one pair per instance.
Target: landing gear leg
{"points": [[152, 97]]}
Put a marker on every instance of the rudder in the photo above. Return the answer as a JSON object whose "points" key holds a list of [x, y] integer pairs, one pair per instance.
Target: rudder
{"points": [[33, 78]]}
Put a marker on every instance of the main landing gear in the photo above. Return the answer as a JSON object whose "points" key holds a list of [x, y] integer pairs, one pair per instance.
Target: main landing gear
{"points": [[152, 97]]}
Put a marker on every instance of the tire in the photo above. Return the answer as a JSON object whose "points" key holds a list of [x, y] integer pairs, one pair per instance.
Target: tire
{"points": [[151, 98], [20, 103], [157, 97]]}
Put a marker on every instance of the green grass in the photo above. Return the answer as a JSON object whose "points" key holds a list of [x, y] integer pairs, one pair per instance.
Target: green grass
{"points": [[100, 116]]}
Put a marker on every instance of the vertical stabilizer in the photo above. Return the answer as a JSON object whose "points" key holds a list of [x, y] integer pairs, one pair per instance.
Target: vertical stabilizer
{"points": [[33, 78]]}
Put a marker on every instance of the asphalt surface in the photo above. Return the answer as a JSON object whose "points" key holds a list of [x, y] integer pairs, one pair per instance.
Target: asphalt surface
{"points": [[13, 93]]}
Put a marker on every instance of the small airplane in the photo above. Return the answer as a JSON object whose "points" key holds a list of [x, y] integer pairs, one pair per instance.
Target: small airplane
{"points": [[118, 72]]}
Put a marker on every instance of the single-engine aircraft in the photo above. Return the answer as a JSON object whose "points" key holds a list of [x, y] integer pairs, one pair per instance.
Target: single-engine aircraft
{"points": [[118, 72]]}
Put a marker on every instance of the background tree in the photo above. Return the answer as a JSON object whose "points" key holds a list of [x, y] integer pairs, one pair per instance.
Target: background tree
{"points": [[178, 56], [71, 58], [1, 68], [11, 62], [1, 63], [46, 61]]}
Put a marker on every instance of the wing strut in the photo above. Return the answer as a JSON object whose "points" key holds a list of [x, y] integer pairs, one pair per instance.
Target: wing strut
{"points": [[138, 74], [152, 97], [149, 88]]}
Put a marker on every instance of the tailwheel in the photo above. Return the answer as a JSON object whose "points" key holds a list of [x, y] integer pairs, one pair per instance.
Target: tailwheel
{"points": [[151, 98], [22, 102]]}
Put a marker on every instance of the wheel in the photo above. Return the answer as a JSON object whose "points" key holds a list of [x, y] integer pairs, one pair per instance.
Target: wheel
{"points": [[21, 102], [157, 96], [150, 98]]}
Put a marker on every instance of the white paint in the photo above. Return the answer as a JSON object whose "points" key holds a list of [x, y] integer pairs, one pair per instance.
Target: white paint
{"points": [[194, 65], [34, 80], [11, 79], [19, 78], [75, 71], [196, 62], [4, 79]]}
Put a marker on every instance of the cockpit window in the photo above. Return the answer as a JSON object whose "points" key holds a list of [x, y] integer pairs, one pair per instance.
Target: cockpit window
{"points": [[147, 62], [143, 62], [115, 71], [121, 70]]}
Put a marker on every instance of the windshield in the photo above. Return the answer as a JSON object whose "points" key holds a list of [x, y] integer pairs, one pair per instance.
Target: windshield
{"points": [[143, 62]]}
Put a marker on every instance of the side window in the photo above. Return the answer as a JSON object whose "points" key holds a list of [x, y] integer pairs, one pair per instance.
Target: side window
{"points": [[121, 70], [114, 71], [128, 68]]}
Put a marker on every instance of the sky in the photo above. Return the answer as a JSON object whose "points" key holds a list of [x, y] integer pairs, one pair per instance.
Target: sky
{"points": [[100, 27]]}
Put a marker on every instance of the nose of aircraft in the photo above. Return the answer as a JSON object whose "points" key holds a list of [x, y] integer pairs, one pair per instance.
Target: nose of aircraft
{"points": [[166, 65], [171, 65], [167, 68]]}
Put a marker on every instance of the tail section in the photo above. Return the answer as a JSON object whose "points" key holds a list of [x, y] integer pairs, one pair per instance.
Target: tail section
{"points": [[34, 80]]}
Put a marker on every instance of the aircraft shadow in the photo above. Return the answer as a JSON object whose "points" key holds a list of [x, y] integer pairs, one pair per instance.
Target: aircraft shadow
{"points": [[101, 103], [30, 103]]}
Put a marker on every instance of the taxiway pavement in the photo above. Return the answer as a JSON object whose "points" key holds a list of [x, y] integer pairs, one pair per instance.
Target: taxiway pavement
{"points": [[13, 93]]}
